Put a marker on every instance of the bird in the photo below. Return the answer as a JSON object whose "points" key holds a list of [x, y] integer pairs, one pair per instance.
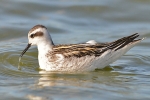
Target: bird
{"points": [[76, 57]]}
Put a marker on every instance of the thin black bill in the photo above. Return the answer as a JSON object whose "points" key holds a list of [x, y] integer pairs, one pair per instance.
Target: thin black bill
{"points": [[24, 51]]}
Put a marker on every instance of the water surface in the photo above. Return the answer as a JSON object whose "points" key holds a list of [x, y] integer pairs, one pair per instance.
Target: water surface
{"points": [[74, 21]]}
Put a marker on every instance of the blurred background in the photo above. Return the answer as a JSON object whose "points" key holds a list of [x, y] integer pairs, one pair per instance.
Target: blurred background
{"points": [[74, 21]]}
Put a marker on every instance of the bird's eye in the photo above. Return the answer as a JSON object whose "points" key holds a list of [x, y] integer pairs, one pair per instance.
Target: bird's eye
{"points": [[32, 35]]}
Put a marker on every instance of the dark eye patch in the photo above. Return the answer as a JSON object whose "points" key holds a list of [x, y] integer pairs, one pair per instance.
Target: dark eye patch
{"points": [[39, 33], [36, 34]]}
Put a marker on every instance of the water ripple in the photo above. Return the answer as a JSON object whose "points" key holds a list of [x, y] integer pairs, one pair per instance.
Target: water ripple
{"points": [[9, 65]]}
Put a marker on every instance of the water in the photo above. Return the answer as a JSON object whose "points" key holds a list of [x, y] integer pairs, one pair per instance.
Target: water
{"points": [[74, 21]]}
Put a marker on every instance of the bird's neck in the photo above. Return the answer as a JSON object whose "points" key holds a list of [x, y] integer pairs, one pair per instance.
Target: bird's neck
{"points": [[45, 47]]}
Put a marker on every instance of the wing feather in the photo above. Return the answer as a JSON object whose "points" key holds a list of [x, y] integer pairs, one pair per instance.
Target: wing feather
{"points": [[79, 50]]}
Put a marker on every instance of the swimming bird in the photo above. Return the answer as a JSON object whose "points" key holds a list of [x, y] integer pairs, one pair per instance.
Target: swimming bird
{"points": [[76, 57]]}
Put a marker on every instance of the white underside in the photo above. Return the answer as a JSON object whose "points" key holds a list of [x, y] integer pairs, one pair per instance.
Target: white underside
{"points": [[85, 63]]}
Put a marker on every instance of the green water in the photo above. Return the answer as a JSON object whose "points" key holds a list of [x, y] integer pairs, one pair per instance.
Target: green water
{"points": [[74, 21]]}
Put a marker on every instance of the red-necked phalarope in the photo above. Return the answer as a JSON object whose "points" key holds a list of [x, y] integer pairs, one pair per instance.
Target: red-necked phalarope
{"points": [[76, 57]]}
